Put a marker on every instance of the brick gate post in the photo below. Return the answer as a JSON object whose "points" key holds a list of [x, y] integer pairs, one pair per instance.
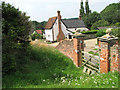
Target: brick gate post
{"points": [[78, 43], [105, 43]]}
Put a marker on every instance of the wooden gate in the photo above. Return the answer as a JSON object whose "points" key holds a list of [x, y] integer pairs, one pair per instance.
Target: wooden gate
{"points": [[90, 63]]}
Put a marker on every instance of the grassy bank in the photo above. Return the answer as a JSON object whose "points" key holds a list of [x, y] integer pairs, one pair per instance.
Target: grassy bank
{"points": [[48, 68]]}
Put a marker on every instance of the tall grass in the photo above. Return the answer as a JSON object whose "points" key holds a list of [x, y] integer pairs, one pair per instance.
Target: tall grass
{"points": [[48, 68]]}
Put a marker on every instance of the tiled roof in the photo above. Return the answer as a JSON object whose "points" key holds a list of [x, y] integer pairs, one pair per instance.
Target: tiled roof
{"points": [[73, 23], [39, 31], [50, 23]]}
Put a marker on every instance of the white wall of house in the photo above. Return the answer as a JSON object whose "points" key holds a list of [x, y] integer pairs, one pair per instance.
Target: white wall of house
{"points": [[72, 29], [82, 29], [55, 29], [48, 34], [63, 27]]}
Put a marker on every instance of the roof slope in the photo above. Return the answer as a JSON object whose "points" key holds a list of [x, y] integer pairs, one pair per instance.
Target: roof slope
{"points": [[39, 31], [50, 22], [73, 23]]}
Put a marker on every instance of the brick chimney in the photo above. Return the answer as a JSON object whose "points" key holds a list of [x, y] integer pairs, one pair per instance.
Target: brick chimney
{"points": [[80, 17], [60, 34]]}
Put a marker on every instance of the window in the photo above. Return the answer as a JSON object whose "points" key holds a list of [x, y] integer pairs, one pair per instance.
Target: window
{"points": [[48, 35]]}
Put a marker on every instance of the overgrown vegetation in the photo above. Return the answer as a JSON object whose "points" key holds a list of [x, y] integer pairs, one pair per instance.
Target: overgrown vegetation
{"points": [[55, 70], [15, 33]]}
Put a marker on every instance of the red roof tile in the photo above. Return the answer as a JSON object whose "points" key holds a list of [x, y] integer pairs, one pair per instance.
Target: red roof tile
{"points": [[50, 22], [39, 31]]}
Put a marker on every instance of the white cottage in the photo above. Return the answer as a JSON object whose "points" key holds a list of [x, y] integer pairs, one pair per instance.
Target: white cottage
{"points": [[58, 29]]}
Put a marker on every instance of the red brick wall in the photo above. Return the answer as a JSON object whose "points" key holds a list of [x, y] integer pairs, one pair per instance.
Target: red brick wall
{"points": [[104, 57], [114, 55], [109, 56], [66, 47]]}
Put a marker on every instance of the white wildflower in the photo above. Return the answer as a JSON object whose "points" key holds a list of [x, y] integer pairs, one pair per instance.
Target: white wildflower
{"points": [[81, 78], [75, 83], [62, 78], [69, 83], [110, 79], [112, 86], [43, 80], [113, 83], [95, 82]]}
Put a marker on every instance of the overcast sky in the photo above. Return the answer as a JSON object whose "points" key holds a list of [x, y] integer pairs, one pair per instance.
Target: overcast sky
{"points": [[42, 10]]}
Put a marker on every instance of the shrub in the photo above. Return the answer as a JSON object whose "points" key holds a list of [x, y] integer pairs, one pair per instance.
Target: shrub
{"points": [[115, 32], [101, 33], [36, 36]]}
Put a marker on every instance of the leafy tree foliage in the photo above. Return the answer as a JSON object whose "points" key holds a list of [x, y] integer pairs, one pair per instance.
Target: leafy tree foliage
{"points": [[111, 13], [39, 25], [15, 34], [88, 11], [82, 13], [91, 19], [99, 23]]}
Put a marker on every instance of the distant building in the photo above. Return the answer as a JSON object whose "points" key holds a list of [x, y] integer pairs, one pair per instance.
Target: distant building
{"points": [[58, 29], [106, 27], [38, 32]]}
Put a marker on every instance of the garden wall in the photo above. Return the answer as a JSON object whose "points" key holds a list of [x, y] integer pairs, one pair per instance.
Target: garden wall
{"points": [[66, 47], [89, 36], [114, 55]]}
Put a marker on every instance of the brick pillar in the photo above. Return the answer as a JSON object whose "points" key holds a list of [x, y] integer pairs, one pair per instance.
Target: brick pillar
{"points": [[119, 56], [78, 42], [105, 46], [104, 56]]}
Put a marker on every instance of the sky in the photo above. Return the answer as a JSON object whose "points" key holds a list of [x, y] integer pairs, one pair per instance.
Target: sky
{"points": [[42, 10]]}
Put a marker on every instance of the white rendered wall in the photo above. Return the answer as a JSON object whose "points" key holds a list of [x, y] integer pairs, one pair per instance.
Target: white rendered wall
{"points": [[55, 29], [63, 27], [48, 34], [72, 29]]}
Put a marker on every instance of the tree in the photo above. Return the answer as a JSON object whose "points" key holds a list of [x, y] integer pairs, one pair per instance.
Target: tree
{"points": [[99, 23], [88, 11], [39, 25], [82, 13], [15, 34], [90, 19], [111, 13]]}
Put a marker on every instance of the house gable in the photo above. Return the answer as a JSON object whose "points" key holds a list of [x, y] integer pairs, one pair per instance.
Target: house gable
{"points": [[50, 23]]}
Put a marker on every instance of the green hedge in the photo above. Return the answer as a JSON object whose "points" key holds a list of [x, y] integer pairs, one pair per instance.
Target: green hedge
{"points": [[90, 32], [101, 32]]}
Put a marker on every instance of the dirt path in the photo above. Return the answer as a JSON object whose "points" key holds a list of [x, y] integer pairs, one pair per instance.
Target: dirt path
{"points": [[89, 44], [43, 42]]}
